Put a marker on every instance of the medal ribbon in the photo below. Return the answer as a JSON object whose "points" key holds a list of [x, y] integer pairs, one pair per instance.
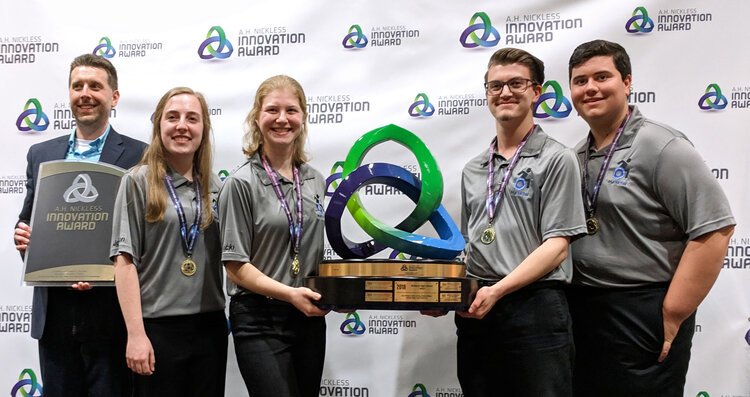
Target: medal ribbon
{"points": [[188, 238], [495, 199], [295, 229], [590, 199]]}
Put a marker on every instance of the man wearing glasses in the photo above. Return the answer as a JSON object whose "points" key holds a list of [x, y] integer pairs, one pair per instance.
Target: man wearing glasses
{"points": [[521, 205]]}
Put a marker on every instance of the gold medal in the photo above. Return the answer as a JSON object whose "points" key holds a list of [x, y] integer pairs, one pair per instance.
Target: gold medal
{"points": [[188, 267], [488, 235], [592, 225], [295, 266]]}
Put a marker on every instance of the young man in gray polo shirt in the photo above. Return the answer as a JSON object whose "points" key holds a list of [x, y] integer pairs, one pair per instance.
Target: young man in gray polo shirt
{"points": [[659, 226], [516, 336]]}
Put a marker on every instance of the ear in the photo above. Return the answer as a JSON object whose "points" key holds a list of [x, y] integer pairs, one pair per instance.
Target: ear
{"points": [[537, 91], [115, 97], [627, 81]]}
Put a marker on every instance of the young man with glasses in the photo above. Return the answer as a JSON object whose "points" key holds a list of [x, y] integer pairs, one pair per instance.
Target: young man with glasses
{"points": [[521, 205]]}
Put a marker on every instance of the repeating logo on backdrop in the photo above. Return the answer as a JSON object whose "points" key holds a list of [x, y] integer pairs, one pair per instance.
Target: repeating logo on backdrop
{"points": [[560, 105], [640, 22], [32, 118], [126, 49], [354, 38], [712, 99], [419, 390], [216, 45], [447, 105], [380, 36], [671, 19], [352, 325], [27, 385], [330, 109], [488, 34], [267, 40], [738, 254], [421, 107], [104, 48], [15, 319], [24, 49], [342, 387]]}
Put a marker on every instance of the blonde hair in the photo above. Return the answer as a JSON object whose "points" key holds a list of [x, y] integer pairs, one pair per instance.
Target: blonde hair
{"points": [[252, 140], [155, 158]]}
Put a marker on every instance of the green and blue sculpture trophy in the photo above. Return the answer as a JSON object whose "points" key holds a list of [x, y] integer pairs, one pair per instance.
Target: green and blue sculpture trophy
{"points": [[435, 281]]}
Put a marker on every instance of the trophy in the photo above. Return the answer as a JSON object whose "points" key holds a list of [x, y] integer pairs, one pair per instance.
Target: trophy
{"points": [[436, 281], [72, 223]]}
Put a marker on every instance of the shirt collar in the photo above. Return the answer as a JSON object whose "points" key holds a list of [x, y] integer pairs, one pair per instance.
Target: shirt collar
{"points": [[629, 132], [305, 171], [95, 147], [532, 148]]}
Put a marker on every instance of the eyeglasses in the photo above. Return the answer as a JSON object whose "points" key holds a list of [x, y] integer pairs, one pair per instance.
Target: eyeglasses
{"points": [[516, 85]]}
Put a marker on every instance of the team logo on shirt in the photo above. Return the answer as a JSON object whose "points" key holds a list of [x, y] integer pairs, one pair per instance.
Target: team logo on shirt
{"points": [[522, 183], [319, 212], [621, 173]]}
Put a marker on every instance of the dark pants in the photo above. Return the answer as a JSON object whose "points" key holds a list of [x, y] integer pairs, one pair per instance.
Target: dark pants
{"points": [[522, 347], [280, 351], [618, 337], [191, 356], [82, 349]]}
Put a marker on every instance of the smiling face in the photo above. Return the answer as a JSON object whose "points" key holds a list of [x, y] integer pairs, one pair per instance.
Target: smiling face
{"points": [[599, 91], [181, 126], [280, 119], [91, 97], [506, 105]]}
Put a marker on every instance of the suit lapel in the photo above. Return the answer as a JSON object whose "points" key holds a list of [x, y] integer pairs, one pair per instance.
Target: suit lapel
{"points": [[112, 149]]}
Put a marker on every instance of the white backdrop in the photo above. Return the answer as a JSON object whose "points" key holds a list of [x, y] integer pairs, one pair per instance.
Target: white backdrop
{"points": [[413, 52]]}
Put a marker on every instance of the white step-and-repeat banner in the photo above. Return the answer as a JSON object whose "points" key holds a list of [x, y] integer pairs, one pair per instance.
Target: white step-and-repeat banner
{"points": [[416, 64]]}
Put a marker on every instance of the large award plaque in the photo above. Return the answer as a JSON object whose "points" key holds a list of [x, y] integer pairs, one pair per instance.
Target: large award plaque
{"points": [[433, 281], [71, 224]]}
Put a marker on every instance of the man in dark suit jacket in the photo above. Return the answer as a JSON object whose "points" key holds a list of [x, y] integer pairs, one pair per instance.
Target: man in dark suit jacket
{"points": [[80, 330]]}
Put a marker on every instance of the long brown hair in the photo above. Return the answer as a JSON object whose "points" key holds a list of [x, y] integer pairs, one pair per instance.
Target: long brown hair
{"points": [[155, 159], [252, 140]]}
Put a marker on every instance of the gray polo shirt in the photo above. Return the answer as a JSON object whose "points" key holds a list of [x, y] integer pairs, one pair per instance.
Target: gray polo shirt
{"points": [[657, 195], [542, 200], [255, 228], [157, 250]]}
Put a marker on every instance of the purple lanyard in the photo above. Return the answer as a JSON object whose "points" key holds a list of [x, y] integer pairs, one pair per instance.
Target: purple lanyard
{"points": [[188, 238], [590, 199], [495, 199], [295, 229]]}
